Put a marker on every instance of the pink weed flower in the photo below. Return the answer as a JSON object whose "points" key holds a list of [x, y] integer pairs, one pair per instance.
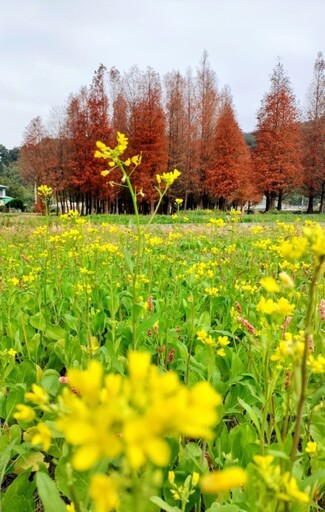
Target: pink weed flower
{"points": [[238, 307], [170, 356], [150, 303], [322, 309], [286, 323], [246, 323]]}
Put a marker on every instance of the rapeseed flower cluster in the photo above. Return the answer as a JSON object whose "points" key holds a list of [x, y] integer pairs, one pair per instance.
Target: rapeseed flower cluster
{"points": [[269, 306], [316, 238], [220, 481], [219, 343], [105, 417], [112, 154], [70, 215], [44, 192], [316, 364], [184, 491], [269, 284], [245, 286], [220, 223], [281, 485], [168, 177], [290, 350], [293, 248], [235, 216]]}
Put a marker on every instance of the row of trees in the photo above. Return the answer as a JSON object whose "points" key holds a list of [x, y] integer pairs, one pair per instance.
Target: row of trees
{"points": [[181, 122]]}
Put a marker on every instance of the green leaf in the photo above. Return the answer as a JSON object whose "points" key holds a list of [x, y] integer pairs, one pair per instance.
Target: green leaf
{"points": [[55, 332], [163, 505], [49, 494], [4, 459], [128, 260], [216, 507], [38, 321], [71, 321], [80, 481], [33, 461], [318, 476], [16, 396], [25, 372], [251, 413], [50, 381], [204, 321], [15, 433], [17, 504]]}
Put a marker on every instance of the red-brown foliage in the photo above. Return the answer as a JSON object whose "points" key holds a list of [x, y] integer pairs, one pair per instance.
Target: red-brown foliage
{"points": [[230, 175], [278, 141]]}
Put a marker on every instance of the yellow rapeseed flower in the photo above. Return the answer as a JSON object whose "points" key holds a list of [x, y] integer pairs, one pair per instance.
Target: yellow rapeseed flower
{"points": [[104, 492], [263, 461], [291, 490], [102, 418], [42, 436], [24, 413], [87, 382], [44, 191], [195, 478], [168, 177], [316, 237], [269, 284], [316, 364], [311, 448], [267, 306], [285, 307], [220, 481], [171, 477], [138, 365], [38, 395], [293, 248]]}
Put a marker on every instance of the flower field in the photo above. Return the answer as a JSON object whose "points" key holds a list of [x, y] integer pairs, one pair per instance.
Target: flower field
{"points": [[162, 368], [148, 368]]}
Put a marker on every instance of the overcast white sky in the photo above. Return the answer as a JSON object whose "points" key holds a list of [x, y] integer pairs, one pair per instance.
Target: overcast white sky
{"points": [[50, 48]]}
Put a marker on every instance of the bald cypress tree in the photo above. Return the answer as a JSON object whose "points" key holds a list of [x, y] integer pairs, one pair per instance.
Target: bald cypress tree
{"points": [[277, 156]]}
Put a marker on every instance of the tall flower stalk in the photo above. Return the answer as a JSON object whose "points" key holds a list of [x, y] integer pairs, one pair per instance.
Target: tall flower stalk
{"points": [[316, 239], [127, 168]]}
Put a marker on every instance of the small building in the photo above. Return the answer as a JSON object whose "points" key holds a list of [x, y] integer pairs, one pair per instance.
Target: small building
{"points": [[4, 199]]}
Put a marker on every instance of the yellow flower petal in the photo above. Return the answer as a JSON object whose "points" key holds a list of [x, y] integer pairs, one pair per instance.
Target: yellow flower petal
{"points": [[219, 481]]}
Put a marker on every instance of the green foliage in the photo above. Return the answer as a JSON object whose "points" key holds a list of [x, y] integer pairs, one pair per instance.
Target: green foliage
{"points": [[9, 176], [68, 296]]}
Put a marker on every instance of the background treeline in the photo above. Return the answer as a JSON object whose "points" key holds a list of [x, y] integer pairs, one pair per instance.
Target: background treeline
{"points": [[184, 122]]}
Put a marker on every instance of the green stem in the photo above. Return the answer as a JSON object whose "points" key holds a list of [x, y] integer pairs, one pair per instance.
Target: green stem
{"points": [[287, 414], [266, 399], [161, 195], [74, 498], [304, 375], [190, 348], [24, 332], [138, 254]]}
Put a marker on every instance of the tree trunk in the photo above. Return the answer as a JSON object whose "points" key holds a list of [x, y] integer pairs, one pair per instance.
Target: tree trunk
{"points": [[82, 205], [322, 199], [310, 208], [222, 204], [185, 200], [280, 197], [272, 200]]}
